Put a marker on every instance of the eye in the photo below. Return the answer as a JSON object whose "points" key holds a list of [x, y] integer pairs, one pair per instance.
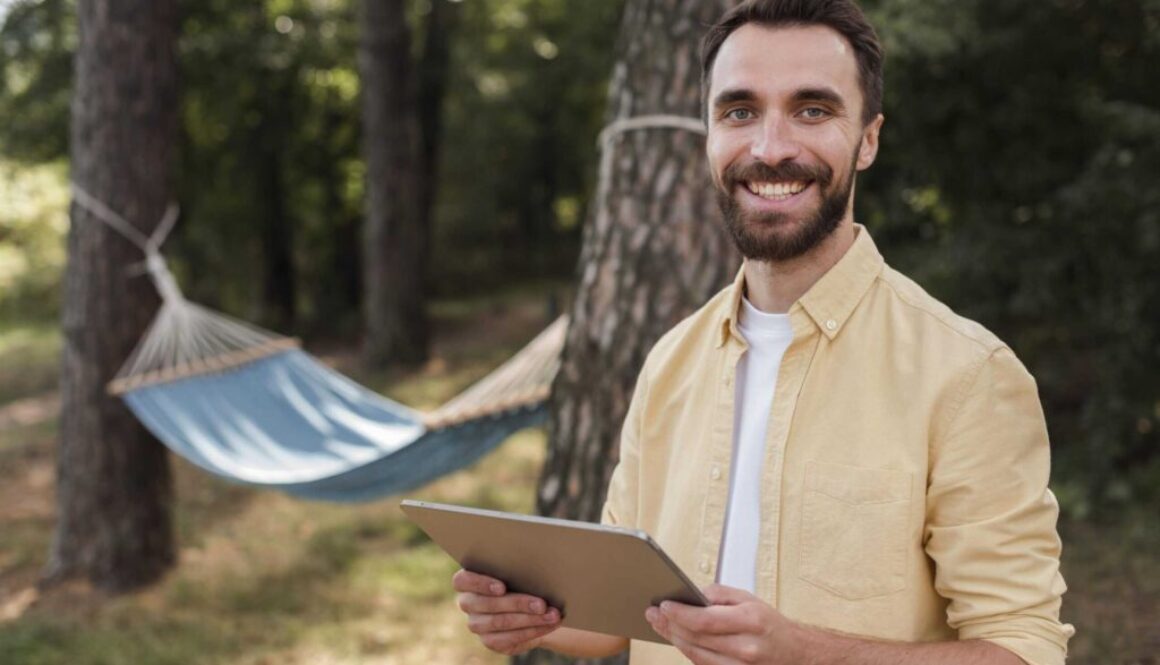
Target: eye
{"points": [[739, 114], [814, 113]]}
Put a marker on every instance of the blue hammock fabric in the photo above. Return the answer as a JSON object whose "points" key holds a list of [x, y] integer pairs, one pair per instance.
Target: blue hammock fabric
{"points": [[288, 422]]}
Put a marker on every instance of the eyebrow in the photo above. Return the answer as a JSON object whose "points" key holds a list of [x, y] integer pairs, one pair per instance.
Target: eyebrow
{"points": [[732, 96], [824, 95]]}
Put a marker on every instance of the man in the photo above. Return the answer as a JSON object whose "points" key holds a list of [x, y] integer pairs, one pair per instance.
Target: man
{"points": [[861, 471]]}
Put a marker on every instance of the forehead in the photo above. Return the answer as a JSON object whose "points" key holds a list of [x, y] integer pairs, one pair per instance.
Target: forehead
{"points": [[781, 59]]}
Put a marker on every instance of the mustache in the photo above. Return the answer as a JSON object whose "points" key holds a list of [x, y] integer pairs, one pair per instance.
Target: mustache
{"points": [[762, 172]]}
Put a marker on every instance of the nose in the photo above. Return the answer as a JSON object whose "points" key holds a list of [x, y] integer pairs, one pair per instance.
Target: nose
{"points": [[776, 142]]}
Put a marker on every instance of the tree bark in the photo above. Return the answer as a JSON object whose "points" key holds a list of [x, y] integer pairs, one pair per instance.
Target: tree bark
{"points": [[113, 479], [654, 250], [394, 240]]}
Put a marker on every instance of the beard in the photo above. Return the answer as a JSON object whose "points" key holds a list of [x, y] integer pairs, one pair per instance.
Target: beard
{"points": [[755, 233]]}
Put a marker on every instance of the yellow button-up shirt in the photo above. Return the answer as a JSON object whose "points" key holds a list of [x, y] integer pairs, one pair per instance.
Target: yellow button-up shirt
{"points": [[904, 488]]}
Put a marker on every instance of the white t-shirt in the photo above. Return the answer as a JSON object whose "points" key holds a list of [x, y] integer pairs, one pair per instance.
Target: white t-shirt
{"points": [[768, 335]]}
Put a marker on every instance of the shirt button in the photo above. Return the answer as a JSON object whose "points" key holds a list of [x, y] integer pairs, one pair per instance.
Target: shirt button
{"points": [[831, 325], [715, 473], [704, 565]]}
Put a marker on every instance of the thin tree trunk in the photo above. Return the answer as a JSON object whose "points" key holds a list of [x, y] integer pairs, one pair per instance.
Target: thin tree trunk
{"points": [[279, 282], [394, 251], [113, 479], [654, 250], [340, 290], [440, 25]]}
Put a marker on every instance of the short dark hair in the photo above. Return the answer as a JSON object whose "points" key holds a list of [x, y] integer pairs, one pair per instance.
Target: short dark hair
{"points": [[842, 16]]}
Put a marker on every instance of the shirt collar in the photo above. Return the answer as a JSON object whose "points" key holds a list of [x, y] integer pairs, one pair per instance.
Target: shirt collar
{"points": [[831, 300]]}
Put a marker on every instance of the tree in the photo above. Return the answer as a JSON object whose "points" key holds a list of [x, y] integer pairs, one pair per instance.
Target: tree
{"points": [[432, 85], [395, 243], [113, 480], [654, 250]]}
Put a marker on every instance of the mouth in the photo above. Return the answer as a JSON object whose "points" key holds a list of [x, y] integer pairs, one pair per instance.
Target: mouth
{"points": [[780, 190]]}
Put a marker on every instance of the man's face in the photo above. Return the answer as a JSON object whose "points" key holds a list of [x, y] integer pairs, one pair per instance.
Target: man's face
{"points": [[786, 137]]}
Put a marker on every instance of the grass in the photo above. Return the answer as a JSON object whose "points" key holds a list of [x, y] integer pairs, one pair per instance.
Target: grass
{"points": [[264, 579], [268, 579]]}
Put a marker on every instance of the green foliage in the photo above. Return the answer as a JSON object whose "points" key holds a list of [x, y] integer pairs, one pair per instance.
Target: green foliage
{"points": [[1017, 180], [528, 80], [37, 41], [270, 133], [33, 222]]}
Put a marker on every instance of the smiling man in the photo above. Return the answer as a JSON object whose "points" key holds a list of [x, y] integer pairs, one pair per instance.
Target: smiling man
{"points": [[855, 474]]}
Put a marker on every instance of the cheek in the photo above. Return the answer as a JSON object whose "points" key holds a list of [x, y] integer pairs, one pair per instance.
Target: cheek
{"points": [[717, 161]]}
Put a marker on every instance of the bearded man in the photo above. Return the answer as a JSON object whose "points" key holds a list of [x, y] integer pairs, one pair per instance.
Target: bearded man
{"points": [[854, 473]]}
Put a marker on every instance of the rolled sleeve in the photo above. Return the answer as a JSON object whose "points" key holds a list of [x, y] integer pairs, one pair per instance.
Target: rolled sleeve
{"points": [[991, 520]]}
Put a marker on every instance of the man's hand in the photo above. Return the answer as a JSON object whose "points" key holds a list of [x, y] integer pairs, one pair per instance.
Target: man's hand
{"points": [[737, 627], [741, 628], [508, 623]]}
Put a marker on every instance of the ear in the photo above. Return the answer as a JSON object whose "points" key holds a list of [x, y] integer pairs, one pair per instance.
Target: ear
{"points": [[869, 148]]}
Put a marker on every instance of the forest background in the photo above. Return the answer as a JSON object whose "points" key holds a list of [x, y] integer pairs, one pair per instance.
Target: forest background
{"points": [[1017, 182]]}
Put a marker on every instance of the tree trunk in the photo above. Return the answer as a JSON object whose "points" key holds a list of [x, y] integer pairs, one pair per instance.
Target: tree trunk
{"points": [[440, 25], [394, 240], [113, 480], [279, 284], [654, 250]]}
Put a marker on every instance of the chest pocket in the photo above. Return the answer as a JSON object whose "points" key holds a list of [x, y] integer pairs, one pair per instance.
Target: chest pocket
{"points": [[854, 529]]}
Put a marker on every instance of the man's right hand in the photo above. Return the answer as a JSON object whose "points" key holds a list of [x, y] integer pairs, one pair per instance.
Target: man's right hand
{"points": [[508, 623]]}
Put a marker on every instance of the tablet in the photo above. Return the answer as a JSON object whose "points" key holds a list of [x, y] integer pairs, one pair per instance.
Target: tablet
{"points": [[601, 578]]}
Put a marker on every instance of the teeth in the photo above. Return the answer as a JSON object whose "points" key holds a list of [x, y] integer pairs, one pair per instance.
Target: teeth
{"points": [[776, 190]]}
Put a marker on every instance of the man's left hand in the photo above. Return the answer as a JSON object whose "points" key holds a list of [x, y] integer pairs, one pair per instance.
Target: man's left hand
{"points": [[737, 627]]}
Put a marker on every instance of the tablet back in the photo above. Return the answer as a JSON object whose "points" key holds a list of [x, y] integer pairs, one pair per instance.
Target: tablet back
{"points": [[601, 578]]}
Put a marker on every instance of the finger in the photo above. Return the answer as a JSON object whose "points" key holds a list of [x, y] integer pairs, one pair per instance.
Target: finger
{"points": [[473, 603], [516, 641], [482, 624], [657, 620], [739, 647], [719, 594], [699, 654], [712, 620], [467, 581]]}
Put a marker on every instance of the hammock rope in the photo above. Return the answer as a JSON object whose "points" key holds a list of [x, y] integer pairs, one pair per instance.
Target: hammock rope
{"points": [[606, 141]]}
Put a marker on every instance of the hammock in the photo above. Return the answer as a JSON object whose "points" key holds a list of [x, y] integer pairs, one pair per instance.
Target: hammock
{"points": [[250, 406]]}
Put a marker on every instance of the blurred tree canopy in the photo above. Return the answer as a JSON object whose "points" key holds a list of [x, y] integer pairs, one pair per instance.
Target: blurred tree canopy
{"points": [[270, 138], [1017, 182], [1017, 179]]}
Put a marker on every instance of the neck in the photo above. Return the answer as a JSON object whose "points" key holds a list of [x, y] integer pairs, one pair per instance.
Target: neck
{"points": [[773, 286]]}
